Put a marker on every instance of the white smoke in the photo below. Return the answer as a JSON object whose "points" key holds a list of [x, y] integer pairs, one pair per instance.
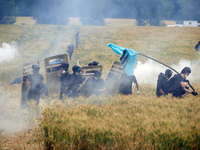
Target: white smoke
{"points": [[147, 73], [8, 52], [12, 120], [195, 68]]}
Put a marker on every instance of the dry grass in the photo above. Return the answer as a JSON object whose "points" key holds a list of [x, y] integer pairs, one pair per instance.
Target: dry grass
{"points": [[25, 21], [145, 116]]}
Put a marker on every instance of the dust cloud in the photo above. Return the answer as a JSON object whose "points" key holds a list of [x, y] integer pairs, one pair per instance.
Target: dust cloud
{"points": [[8, 52]]}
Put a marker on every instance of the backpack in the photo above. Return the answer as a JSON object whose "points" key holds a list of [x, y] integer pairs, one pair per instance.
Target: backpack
{"points": [[170, 85]]}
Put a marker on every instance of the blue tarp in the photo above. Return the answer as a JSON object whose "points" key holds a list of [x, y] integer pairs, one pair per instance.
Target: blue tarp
{"points": [[16, 80], [128, 57]]}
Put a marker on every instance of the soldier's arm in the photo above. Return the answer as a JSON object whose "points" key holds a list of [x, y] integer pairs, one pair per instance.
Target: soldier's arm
{"points": [[137, 85], [159, 84], [28, 82], [59, 73], [183, 85], [161, 91]]}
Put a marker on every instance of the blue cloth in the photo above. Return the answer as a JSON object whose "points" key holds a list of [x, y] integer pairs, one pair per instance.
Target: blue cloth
{"points": [[128, 57], [16, 80]]}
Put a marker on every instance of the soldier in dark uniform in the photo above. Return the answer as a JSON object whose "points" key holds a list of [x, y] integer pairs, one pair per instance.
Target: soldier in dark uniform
{"points": [[94, 63], [98, 84], [77, 38], [162, 81], [64, 78], [75, 81], [177, 85], [35, 81], [197, 47], [70, 50], [126, 84]]}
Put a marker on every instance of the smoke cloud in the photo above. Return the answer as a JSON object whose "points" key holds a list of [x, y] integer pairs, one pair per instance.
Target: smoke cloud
{"points": [[147, 73], [12, 119], [8, 52]]}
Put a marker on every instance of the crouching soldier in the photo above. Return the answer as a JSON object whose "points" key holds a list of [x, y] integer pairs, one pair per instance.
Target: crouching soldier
{"points": [[162, 81], [126, 84], [76, 80], [64, 78], [177, 85], [35, 81], [98, 84]]}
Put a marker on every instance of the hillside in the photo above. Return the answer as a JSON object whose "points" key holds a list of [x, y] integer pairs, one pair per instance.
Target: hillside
{"points": [[173, 46], [39, 41]]}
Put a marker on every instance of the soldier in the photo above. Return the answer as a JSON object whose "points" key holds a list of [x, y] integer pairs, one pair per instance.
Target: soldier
{"points": [[197, 47], [70, 50], [98, 84], [161, 82], [64, 78], [126, 84], [177, 85], [77, 38], [35, 81], [94, 63], [75, 81]]}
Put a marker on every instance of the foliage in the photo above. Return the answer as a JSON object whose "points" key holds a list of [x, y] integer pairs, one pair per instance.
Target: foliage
{"points": [[150, 12], [8, 20], [7, 11], [93, 12], [51, 12], [25, 7], [190, 9]]}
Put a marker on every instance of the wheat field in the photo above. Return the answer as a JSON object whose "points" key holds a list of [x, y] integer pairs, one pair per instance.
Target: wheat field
{"points": [[114, 122]]}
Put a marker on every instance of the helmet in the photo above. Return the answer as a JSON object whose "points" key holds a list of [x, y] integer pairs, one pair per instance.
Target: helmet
{"points": [[65, 66], [35, 68], [94, 63], [68, 43], [97, 73], [76, 68], [186, 70], [168, 73]]}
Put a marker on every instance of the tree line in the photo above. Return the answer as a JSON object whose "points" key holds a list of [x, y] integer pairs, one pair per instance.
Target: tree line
{"points": [[93, 12]]}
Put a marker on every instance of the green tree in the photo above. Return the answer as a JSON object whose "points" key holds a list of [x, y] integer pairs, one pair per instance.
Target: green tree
{"points": [[51, 12], [190, 9], [150, 12], [8, 11], [91, 12], [25, 7]]}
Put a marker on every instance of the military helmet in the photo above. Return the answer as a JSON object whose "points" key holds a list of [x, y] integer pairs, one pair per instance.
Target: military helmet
{"points": [[64, 65], [35, 68], [76, 68], [186, 70], [168, 73], [94, 63], [97, 73]]}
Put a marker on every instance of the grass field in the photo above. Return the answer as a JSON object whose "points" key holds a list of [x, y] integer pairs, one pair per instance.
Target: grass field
{"points": [[115, 122]]}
